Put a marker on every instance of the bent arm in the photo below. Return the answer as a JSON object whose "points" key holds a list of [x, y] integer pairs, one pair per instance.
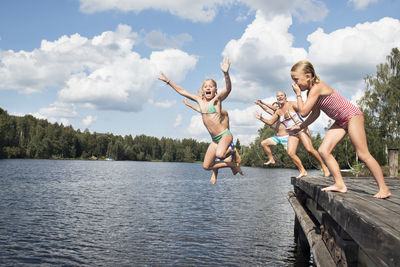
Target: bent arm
{"points": [[305, 108], [270, 121], [195, 107], [315, 112]]}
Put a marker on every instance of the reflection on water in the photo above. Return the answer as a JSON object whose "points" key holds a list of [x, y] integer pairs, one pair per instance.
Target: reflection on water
{"points": [[143, 213]]}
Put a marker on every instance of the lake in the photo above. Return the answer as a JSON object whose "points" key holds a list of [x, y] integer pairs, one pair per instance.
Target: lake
{"points": [[108, 213]]}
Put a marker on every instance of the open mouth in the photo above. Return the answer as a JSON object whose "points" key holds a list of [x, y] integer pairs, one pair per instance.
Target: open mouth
{"points": [[208, 93]]}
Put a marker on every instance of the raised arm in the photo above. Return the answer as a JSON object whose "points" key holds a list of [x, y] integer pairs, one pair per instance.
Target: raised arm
{"points": [[225, 69], [266, 107], [179, 89]]}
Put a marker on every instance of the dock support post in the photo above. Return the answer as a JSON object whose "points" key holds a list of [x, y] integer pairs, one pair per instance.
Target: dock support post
{"points": [[320, 252], [393, 161]]}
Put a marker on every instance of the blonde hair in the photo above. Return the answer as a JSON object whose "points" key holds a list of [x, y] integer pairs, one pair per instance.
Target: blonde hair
{"points": [[282, 93], [214, 82], [306, 67]]}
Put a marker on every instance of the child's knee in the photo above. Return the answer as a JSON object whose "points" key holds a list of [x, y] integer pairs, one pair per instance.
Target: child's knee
{"points": [[364, 156], [220, 154], [323, 152], [291, 153], [206, 166], [265, 142]]}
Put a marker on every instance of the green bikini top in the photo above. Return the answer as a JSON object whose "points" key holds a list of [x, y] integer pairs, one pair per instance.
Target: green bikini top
{"points": [[210, 109]]}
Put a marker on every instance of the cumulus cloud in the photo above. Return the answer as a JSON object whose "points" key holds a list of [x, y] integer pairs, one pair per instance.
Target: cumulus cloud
{"points": [[178, 120], [262, 57], [361, 4], [304, 10], [202, 11], [162, 104], [88, 120], [159, 40], [347, 55], [206, 10], [196, 127], [59, 109], [102, 73]]}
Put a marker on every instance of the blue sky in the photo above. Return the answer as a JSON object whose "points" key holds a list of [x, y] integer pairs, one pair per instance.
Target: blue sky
{"points": [[94, 63]]}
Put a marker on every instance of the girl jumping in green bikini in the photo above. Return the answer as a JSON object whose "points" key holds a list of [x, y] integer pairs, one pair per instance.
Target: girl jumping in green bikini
{"points": [[210, 109]]}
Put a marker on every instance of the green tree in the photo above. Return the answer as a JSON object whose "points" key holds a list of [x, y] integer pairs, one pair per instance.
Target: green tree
{"points": [[381, 100]]}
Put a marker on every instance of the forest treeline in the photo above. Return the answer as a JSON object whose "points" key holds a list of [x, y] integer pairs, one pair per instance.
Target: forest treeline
{"points": [[29, 137]]}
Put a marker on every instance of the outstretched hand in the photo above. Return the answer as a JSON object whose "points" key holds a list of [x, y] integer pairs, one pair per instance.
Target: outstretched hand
{"points": [[296, 89], [257, 115], [258, 102], [225, 65], [163, 77]]}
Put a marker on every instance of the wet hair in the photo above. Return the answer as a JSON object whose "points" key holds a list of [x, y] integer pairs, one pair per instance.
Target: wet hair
{"points": [[214, 82], [306, 67]]}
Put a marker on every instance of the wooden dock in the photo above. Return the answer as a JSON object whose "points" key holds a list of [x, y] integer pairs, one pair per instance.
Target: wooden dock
{"points": [[351, 229]]}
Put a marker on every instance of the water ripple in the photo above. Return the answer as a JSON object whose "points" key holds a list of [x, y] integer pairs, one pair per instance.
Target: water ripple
{"points": [[141, 213]]}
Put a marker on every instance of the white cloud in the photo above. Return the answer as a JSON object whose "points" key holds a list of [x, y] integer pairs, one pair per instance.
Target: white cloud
{"points": [[347, 55], [202, 11], [304, 10], [89, 120], [196, 126], [59, 109], [102, 73], [65, 121], [206, 10], [159, 40], [262, 57], [361, 4], [163, 104], [178, 120], [52, 64]]}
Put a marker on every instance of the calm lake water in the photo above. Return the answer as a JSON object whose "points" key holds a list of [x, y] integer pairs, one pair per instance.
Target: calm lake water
{"points": [[109, 213]]}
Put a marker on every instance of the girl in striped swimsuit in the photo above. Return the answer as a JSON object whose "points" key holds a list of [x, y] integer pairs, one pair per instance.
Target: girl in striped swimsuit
{"points": [[348, 119]]}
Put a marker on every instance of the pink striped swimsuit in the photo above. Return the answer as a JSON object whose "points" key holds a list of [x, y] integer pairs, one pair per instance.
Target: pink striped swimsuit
{"points": [[338, 108]]}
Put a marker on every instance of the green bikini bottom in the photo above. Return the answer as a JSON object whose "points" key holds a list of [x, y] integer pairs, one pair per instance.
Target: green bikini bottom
{"points": [[218, 138]]}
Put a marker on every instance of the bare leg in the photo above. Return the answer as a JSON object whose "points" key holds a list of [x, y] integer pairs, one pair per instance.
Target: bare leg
{"points": [[210, 163], [214, 175], [359, 139], [265, 145], [224, 150], [306, 140], [331, 139], [223, 147], [293, 142]]}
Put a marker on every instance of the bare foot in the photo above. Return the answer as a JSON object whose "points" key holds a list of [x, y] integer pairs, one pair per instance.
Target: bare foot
{"points": [[383, 193], [326, 171], [213, 179], [271, 161], [302, 174], [336, 188], [237, 157], [239, 170]]}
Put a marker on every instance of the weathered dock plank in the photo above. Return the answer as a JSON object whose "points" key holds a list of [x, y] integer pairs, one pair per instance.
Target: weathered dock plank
{"points": [[374, 224]]}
